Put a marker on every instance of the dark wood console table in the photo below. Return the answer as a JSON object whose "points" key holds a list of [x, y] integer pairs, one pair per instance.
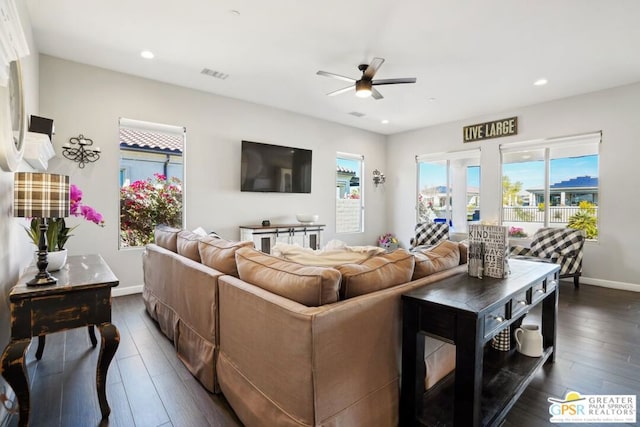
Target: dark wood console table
{"points": [[82, 297], [469, 312]]}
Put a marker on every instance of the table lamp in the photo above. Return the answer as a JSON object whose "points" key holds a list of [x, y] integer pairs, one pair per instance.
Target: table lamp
{"points": [[41, 195]]}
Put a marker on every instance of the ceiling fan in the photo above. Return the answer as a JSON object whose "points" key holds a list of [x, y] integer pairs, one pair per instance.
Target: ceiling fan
{"points": [[364, 86]]}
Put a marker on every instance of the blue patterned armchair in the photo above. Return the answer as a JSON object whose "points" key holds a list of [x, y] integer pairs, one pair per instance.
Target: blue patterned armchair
{"points": [[429, 234], [558, 245]]}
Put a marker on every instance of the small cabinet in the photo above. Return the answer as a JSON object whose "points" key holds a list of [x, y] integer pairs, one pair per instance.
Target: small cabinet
{"points": [[265, 237]]}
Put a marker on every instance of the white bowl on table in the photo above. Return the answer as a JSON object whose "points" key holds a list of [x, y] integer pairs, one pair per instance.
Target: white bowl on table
{"points": [[307, 218]]}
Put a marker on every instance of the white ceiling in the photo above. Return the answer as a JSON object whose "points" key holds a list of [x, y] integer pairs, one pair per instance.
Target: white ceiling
{"points": [[469, 57]]}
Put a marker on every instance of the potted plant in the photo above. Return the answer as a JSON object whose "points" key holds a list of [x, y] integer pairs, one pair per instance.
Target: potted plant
{"points": [[388, 241], [57, 231]]}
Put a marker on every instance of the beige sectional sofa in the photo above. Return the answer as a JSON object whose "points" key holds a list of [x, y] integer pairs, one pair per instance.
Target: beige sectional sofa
{"points": [[181, 293], [290, 344]]}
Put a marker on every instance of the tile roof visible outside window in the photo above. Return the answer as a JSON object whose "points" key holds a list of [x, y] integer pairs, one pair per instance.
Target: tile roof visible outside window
{"points": [[135, 138]]}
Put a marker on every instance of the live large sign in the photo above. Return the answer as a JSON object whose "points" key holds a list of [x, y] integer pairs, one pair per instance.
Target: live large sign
{"points": [[494, 129]]}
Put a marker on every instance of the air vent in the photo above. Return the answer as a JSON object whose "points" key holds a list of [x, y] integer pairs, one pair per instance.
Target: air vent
{"points": [[357, 114], [214, 73]]}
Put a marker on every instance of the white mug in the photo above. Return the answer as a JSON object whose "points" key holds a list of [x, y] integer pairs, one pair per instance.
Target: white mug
{"points": [[529, 340]]}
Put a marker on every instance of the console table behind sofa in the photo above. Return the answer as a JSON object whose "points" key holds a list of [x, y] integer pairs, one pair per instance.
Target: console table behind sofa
{"points": [[264, 237]]}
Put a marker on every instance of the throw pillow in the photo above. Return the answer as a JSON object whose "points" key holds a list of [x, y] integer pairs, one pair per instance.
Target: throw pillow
{"points": [[376, 273], [443, 256], [187, 244], [309, 285], [166, 237], [220, 254]]}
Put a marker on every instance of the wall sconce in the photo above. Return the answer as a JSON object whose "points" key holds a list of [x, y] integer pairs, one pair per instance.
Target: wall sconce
{"points": [[80, 150], [378, 177]]}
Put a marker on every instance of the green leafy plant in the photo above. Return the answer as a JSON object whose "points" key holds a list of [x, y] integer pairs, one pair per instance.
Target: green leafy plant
{"points": [[146, 203], [585, 219]]}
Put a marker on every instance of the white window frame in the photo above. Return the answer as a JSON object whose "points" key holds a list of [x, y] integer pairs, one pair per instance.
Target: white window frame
{"points": [[359, 158], [587, 143], [472, 158], [160, 128]]}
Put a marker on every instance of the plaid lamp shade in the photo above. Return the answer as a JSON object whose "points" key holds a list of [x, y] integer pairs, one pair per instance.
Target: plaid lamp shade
{"points": [[40, 195]]}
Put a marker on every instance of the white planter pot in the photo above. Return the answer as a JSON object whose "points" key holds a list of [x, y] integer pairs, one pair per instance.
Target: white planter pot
{"points": [[56, 260]]}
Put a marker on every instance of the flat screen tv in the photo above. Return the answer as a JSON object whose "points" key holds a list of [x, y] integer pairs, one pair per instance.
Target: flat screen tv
{"points": [[274, 168]]}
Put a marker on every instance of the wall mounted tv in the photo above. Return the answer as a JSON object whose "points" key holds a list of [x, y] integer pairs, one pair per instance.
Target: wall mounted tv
{"points": [[275, 169]]}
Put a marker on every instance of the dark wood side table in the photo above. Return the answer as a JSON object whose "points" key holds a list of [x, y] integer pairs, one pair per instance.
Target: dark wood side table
{"points": [[469, 312], [82, 297]]}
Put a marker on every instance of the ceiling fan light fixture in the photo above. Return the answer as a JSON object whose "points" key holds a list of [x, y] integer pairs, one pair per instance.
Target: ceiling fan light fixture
{"points": [[363, 89]]}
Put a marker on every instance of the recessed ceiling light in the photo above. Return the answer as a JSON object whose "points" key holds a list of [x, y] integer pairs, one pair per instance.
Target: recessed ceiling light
{"points": [[235, 12], [431, 99], [540, 82], [384, 122], [147, 54]]}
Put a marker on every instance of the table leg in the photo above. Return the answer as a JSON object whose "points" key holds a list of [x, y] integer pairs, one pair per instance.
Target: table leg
{"points": [[92, 335], [468, 380], [109, 345], [14, 371], [413, 367], [549, 317], [41, 343]]}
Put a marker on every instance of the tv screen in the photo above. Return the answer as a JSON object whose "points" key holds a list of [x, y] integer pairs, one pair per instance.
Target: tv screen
{"points": [[274, 168]]}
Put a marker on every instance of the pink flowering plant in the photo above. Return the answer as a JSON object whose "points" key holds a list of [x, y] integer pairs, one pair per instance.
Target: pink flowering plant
{"points": [[387, 240], [145, 203], [57, 232], [517, 232]]}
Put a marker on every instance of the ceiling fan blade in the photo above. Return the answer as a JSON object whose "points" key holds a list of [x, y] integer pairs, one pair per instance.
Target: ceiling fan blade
{"points": [[373, 67], [375, 94], [394, 81], [336, 76], [339, 91]]}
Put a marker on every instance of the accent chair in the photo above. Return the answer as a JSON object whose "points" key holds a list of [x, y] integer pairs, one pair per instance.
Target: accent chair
{"points": [[558, 245]]}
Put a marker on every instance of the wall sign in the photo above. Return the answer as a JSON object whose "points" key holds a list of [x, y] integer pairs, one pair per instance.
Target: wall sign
{"points": [[494, 129]]}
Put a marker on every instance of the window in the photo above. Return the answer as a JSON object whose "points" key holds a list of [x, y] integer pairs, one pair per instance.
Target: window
{"points": [[551, 183], [449, 188], [150, 178], [349, 204]]}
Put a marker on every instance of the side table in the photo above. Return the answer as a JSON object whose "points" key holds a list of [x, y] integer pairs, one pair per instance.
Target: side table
{"points": [[82, 297], [469, 312]]}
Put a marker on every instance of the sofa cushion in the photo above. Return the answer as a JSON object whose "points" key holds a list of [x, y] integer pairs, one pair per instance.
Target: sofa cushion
{"points": [[443, 256], [187, 244], [378, 272], [325, 257], [309, 285], [464, 251], [166, 237], [220, 254]]}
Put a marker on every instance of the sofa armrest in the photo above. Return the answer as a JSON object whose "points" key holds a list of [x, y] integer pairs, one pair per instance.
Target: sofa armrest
{"points": [[297, 359], [265, 365]]}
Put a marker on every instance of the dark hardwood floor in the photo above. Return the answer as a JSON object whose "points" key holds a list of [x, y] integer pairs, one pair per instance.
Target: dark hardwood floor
{"points": [[598, 353]]}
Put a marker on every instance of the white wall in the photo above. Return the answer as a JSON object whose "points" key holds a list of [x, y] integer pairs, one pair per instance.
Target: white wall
{"points": [[613, 260], [16, 251], [89, 100]]}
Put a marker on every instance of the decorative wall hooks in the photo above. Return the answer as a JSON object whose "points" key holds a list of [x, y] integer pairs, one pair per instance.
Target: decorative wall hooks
{"points": [[81, 150], [378, 177]]}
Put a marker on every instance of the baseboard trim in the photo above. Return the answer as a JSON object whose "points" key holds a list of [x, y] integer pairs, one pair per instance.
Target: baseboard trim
{"points": [[118, 292], [623, 286]]}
